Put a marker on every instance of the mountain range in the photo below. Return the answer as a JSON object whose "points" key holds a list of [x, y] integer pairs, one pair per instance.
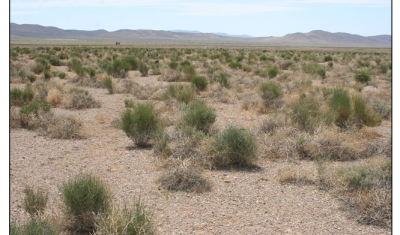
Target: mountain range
{"points": [[25, 32]]}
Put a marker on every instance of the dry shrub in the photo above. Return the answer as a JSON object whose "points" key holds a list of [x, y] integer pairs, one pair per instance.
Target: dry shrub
{"points": [[184, 179], [15, 117], [80, 99], [29, 120], [53, 97], [270, 124], [170, 75], [126, 86], [60, 127], [290, 176]]}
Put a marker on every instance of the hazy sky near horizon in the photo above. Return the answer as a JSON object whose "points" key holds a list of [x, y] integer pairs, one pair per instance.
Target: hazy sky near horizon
{"points": [[252, 17]]}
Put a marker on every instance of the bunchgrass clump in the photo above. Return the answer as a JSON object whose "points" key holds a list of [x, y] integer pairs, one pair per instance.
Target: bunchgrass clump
{"points": [[137, 220], [199, 116], [35, 227], [140, 124], [183, 93], [340, 103], [271, 93], [234, 147], [364, 115], [183, 179], [108, 83], [200, 83], [35, 201], [84, 198], [189, 72], [143, 69]]}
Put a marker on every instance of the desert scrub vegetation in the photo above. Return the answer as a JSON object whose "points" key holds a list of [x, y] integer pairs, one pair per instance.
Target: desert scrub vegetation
{"points": [[200, 83], [199, 116], [126, 221], [35, 201], [367, 189], [84, 198], [181, 92], [34, 227], [184, 179], [140, 124], [341, 104], [59, 126], [21, 97], [109, 84], [362, 76], [271, 93], [80, 99], [234, 147]]}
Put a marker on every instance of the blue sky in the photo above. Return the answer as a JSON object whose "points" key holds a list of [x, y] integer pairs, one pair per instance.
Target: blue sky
{"points": [[256, 18]]}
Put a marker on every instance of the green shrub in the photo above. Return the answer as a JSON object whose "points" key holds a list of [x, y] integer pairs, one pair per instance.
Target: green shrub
{"points": [[34, 227], [340, 103], [362, 76], [173, 64], [312, 68], [47, 74], [55, 61], [129, 103], [223, 79], [118, 68], [41, 65], [108, 83], [189, 72], [273, 72], [182, 179], [235, 65], [138, 220], [200, 83], [330, 65], [304, 113], [322, 73], [383, 68], [234, 146], [132, 61], [200, 116], [183, 93], [21, 97], [285, 65], [85, 197], [61, 75], [364, 115], [34, 201], [270, 92], [328, 58], [35, 106], [140, 124], [143, 69], [31, 77]]}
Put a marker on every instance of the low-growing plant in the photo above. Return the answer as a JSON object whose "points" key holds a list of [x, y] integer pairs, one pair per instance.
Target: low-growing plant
{"points": [[273, 72], [61, 75], [200, 83], [108, 83], [35, 201], [35, 227], [129, 103], [199, 116], [183, 93], [285, 65], [137, 220], [305, 111], [143, 69], [364, 115], [183, 179], [59, 126], [81, 99], [189, 72], [84, 198], [362, 76], [140, 124], [35, 106], [340, 103], [234, 146], [271, 92], [31, 77]]}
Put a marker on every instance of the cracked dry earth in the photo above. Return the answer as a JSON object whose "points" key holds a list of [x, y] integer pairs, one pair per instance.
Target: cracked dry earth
{"points": [[254, 202]]}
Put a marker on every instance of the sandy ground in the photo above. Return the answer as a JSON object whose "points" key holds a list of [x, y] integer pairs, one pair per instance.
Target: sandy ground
{"points": [[254, 202]]}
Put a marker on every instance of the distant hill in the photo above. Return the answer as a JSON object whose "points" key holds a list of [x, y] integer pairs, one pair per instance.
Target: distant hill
{"points": [[313, 38]]}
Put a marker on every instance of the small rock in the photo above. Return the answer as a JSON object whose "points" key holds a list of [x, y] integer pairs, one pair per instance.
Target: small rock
{"points": [[227, 181]]}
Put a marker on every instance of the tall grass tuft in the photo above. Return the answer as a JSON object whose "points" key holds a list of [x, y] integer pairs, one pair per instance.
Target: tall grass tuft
{"points": [[199, 116], [340, 103], [85, 197]]}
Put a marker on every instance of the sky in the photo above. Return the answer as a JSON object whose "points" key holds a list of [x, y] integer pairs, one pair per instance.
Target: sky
{"points": [[252, 17]]}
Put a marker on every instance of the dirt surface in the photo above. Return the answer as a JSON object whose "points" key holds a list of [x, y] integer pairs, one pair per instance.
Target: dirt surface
{"points": [[254, 202]]}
